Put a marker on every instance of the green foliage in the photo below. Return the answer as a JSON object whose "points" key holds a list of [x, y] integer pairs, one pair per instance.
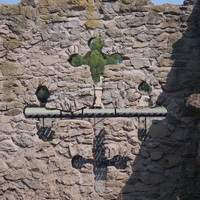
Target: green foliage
{"points": [[96, 44], [144, 86], [117, 57], [96, 59], [113, 59], [78, 60], [96, 78], [110, 60], [42, 94], [96, 62]]}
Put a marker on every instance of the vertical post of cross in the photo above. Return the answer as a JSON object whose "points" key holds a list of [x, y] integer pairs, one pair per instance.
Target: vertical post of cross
{"points": [[98, 92]]}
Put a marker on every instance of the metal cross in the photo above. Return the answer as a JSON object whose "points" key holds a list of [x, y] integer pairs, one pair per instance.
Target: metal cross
{"points": [[100, 162]]}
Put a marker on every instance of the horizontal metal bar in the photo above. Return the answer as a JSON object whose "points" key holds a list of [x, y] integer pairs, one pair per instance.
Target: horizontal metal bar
{"points": [[97, 113]]}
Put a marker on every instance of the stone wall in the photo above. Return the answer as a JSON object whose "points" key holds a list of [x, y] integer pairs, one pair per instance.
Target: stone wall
{"points": [[159, 44]]}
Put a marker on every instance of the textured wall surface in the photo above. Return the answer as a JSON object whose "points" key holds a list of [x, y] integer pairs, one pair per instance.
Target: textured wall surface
{"points": [[159, 44]]}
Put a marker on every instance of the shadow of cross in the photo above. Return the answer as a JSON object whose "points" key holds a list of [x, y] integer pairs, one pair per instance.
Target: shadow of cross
{"points": [[100, 162], [96, 59]]}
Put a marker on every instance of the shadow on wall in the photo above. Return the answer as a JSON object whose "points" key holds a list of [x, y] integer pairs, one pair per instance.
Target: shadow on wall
{"points": [[166, 167]]}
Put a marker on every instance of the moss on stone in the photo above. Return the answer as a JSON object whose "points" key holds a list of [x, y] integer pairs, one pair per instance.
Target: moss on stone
{"points": [[92, 24], [79, 4], [85, 93], [46, 17], [13, 112], [107, 75], [126, 1], [29, 13], [12, 44], [114, 32], [114, 68], [10, 10], [43, 10], [11, 68]]}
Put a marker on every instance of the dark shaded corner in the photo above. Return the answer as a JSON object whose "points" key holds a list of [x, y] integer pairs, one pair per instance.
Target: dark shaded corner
{"points": [[166, 167]]}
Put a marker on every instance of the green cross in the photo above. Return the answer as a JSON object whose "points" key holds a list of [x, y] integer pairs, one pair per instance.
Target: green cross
{"points": [[96, 59]]}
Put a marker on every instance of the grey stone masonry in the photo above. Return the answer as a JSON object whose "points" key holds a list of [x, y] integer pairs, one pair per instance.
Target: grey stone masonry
{"points": [[160, 68]]}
